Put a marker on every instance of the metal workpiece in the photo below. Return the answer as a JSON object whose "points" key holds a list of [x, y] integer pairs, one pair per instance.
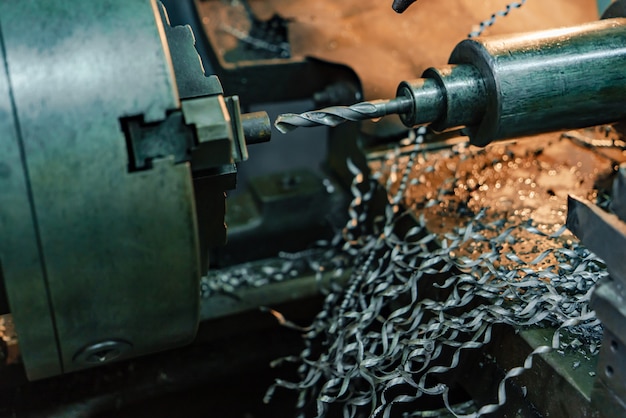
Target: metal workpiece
{"points": [[335, 115], [91, 251], [21, 258], [257, 127]]}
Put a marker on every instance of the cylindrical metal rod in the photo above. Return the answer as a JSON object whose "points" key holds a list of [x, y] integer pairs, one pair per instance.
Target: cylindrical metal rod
{"points": [[257, 127], [550, 80], [427, 101], [446, 97]]}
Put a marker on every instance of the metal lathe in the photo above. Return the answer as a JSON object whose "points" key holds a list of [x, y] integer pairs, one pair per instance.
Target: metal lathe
{"points": [[448, 245]]}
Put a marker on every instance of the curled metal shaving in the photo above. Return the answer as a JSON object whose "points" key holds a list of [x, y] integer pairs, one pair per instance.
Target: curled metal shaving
{"points": [[228, 281], [377, 343], [492, 20]]}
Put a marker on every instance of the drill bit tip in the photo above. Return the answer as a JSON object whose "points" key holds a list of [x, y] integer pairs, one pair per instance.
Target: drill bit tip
{"points": [[335, 115]]}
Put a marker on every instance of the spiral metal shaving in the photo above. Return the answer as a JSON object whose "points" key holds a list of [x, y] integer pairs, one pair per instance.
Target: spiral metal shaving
{"points": [[376, 344], [494, 17], [287, 266]]}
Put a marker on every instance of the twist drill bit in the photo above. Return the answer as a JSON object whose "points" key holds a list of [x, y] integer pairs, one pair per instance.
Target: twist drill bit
{"points": [[335, 115]]}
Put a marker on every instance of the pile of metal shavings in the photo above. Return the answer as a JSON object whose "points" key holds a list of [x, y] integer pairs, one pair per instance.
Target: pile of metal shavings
{"points": [[378, 347], [286, 266]]}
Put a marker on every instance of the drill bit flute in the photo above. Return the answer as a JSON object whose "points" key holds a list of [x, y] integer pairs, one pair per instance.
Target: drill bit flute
{"points": [[507, 86], [333, 116]]}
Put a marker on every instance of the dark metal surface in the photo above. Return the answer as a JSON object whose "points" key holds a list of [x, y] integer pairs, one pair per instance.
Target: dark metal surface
{"points": [[401, 5], [284, 211], [558, 79], [188, 67], [601, 232], [616, 9], [463, 97], [216, 131], [609, 392], [605, 234], [120, 248], [216, 120], [21, 254], [553, 387], [224, 373], [149, 141]]}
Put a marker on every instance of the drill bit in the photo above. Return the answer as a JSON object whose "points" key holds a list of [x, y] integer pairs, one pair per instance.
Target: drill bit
{"points": [[335, 115]]}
